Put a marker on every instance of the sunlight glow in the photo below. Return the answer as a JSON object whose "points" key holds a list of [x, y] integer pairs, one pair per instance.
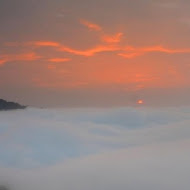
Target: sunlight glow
{"points": [[140, 101]]}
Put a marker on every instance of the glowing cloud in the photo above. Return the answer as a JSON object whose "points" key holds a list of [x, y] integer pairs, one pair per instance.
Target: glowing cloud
{"points": [[18, 57], [132, 52], [59, 60], [2, 61], [90, 25], [164, 50], [43, 44], [129, 55], [89, 52], [112, 39]]}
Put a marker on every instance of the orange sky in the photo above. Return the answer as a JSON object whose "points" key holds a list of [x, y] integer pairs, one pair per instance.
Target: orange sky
{"points": [[64, 48]]}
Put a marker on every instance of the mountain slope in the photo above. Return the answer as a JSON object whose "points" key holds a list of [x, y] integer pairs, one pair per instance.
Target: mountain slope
{"points": [[4, 105]]}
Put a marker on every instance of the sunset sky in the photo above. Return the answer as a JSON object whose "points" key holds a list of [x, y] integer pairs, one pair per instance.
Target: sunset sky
{"points": [[107, 89], [95, 53]]}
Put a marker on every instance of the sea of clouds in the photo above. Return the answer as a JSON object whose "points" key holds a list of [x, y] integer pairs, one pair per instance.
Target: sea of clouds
{"points": [[95, 149]]}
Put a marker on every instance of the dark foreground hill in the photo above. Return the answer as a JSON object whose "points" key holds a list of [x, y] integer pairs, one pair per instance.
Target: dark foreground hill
{"points": [[4, 105]]}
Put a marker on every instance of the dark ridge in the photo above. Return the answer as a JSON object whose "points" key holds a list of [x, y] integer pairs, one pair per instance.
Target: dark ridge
{"points": [[4, 105]]}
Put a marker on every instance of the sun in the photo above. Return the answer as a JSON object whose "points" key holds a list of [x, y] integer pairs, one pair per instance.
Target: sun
{"points": [[140, 102]]}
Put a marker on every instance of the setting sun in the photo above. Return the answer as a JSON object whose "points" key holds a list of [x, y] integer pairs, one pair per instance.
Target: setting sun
{"points": [[140, 102]]}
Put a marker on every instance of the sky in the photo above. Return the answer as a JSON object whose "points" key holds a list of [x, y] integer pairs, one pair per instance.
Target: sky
{"points": [[101, 53]]}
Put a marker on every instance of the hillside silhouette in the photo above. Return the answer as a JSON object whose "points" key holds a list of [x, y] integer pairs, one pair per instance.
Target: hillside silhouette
{"points": [[4, 105]]}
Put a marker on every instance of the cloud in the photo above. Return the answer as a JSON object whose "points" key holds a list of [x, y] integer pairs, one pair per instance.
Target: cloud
{"points": [[59, 60], [33, 43], [91, 26], [43, 44], [64, 48], [31, 56], [132, 52], [163, 166], [91, 51], [123, 148], [112, 39], [104, 37], [130, 55], [128, 52], [3, 61], [88, 130], [164, 50]]}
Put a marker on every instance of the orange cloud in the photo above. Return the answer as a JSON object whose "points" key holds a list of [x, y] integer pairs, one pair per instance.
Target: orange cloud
{"points": [[130, 55], [112, 39], [90, 52], [25, 57], [90, 25], [59, 60], [63, 48], [128, 52], [18, 57], [43, 44], [2, 61], [33, 43], [164, 50], [133, 52]]}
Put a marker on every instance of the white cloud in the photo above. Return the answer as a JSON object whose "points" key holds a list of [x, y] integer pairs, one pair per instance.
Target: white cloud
{"points": [[164, 166], [119, 148]]}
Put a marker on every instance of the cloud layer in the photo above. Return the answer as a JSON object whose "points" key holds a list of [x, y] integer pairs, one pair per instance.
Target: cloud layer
{"points": [[135, 148]]}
